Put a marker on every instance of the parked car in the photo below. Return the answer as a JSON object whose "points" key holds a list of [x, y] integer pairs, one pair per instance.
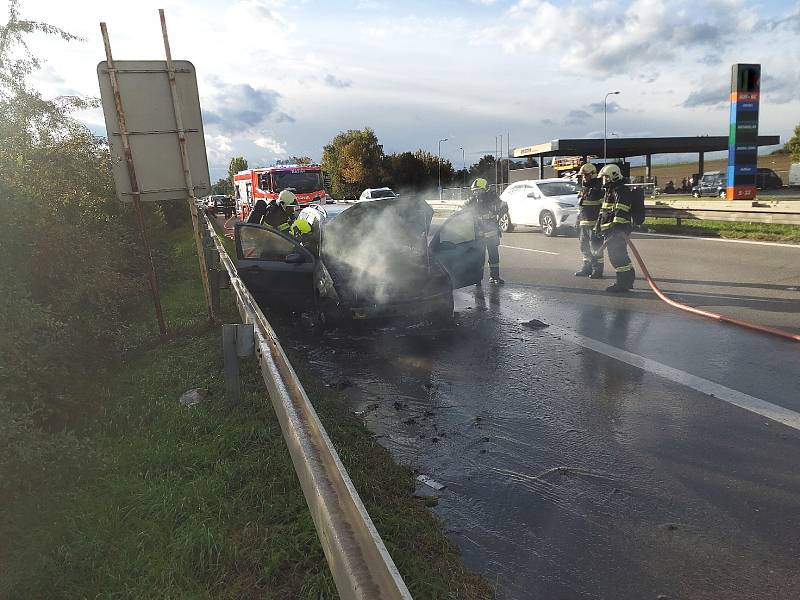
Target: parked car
{"points": [[551, 204], [217, 204], [794, 175], [375, 193], [767, 179], [712, 183], [365, 260]]}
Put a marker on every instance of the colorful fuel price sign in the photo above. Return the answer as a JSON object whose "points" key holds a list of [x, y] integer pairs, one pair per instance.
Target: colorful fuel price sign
{"points": [[743, 140]]}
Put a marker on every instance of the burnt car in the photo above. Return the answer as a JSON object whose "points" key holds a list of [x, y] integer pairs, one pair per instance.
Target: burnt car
{"points": [[369, 260]]}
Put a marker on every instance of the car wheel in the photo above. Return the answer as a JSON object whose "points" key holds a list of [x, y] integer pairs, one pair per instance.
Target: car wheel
{"points": [[696, 194], [548, 223], [506, 226]]}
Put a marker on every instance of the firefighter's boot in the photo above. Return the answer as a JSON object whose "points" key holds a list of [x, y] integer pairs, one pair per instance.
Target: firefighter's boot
{"points": [[597, 271], [494, 275], [624, 282], [586, 270]]}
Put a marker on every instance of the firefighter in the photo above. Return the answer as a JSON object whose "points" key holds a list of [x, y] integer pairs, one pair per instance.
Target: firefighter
{"points": [[278, 213], [614, 225], [590, 199], [488, 207]]}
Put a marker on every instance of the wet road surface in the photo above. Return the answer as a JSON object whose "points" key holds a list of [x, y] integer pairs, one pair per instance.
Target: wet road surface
{"points": [[571, 473]]}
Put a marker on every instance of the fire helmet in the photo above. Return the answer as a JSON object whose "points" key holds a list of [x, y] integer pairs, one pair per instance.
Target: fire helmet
{"points": [[287, 198], [479, 184], [612, 172], [588, 169]]}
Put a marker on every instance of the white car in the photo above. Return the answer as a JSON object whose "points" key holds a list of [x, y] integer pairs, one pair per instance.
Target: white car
{"points": [[374, 193], [551, 204]]}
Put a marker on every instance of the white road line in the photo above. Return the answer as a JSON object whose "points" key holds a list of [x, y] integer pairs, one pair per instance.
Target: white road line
{"points": [[726, 240], [755, 405], [530, 250]]}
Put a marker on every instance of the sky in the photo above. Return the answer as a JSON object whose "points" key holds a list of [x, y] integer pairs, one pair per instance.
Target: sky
{"points": [[280, 78]]}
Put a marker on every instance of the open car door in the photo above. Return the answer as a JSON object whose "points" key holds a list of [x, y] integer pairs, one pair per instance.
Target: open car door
{"points": [[274, 266], [460, 249]]}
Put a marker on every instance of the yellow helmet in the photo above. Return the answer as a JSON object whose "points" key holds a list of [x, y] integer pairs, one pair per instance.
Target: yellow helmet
{"points": [[287, 198], [612, 172], [479, 184], [588, 169]]}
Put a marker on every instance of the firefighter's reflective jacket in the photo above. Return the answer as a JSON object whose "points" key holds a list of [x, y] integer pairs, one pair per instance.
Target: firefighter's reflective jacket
{"points": [[488, 208], [272, 214], [615, 212], [590, 198]]}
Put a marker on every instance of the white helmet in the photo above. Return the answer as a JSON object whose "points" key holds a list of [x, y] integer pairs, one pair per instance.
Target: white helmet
{"points": [[588, 169], [287, 198], [612, 172]]}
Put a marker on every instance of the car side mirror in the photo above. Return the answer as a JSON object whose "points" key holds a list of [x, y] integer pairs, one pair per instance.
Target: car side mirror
{"points": [[294, 258]]}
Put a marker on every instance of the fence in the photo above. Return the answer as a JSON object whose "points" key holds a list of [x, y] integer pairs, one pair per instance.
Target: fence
{"points": [[359, 562]]}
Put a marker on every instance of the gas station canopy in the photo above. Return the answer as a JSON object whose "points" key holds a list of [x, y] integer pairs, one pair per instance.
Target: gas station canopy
{"points": [[626, 147]]}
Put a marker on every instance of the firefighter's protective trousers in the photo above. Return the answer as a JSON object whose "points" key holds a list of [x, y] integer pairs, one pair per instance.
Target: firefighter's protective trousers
{"points": [[590, 243], [493, 250]]}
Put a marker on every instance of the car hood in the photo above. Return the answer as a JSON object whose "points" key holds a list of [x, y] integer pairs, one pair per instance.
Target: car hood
{"points": [[378, 247]]}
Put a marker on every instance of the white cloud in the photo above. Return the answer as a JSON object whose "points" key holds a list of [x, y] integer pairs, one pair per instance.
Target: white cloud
{"points": [[271, 144]]}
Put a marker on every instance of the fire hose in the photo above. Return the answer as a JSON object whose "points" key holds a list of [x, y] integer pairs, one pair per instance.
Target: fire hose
{"points": [[691, 309]]}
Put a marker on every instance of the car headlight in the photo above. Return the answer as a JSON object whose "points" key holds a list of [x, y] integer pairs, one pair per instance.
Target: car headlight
{"points": [[565, 205]]}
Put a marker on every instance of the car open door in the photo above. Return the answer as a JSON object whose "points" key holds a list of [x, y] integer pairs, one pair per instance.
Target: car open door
{"points": [[274, 266], [460, 249]]}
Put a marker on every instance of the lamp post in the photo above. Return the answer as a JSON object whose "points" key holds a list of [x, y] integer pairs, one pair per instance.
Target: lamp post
{"points": [[439, 164], [464, 165], [605, 123]]}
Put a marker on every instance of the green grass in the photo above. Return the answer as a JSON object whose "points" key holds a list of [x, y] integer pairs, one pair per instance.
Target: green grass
{"points": [[141, 497], [724, 229]]}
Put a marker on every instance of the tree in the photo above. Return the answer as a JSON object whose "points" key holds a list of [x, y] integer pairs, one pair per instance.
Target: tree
{"points": [[296, 160], [354, 161], [793, 145], [223, 187], [238, 163], [416, 171]]}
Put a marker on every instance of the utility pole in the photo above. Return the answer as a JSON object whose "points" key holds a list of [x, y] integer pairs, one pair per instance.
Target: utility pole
{"points": [[464, 164]]}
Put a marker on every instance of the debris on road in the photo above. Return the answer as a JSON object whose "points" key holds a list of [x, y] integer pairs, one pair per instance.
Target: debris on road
{"points": [[193, 396], [430, 482], [535, 324]]}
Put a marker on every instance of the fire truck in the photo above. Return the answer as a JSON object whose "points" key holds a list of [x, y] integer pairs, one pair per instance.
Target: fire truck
{"points": [[306, 181]]}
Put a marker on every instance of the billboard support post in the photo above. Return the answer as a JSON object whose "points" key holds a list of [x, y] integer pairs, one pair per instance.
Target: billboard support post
{"points": [[152, 277], [187, 173]]}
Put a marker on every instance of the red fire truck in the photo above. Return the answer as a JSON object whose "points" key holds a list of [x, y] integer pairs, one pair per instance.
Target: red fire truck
{"points": [[306, 181]]}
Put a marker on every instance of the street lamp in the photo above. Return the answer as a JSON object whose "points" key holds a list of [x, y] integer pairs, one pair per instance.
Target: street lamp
{"points": [[439, 161], [464, 165], [605, 122]]}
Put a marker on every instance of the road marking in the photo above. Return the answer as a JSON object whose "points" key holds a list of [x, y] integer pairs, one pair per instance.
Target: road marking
{"points": [[708, 239], [755, 405], [530, 250]]}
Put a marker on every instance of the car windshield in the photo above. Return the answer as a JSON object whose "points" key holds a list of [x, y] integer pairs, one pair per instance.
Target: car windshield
{"points": [[558, 188], [382, 194], [302, 182]]}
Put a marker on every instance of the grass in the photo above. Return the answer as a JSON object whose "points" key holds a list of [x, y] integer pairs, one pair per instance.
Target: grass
{"points": [[725, 229], [677, 171], [141, 497]]}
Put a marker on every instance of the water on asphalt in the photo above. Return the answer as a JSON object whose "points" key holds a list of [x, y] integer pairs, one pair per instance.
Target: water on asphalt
{"points": [[570, 474]]}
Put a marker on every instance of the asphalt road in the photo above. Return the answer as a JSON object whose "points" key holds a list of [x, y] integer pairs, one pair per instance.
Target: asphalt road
{"points": [[625, 450]]}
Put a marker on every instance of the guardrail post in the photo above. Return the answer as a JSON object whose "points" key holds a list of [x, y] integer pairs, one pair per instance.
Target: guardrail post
{"points": [[238, 341], [213, 277]]}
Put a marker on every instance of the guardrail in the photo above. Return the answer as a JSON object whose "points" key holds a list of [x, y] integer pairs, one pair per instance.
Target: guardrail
{"points": [[778, 213], [359, 562]]}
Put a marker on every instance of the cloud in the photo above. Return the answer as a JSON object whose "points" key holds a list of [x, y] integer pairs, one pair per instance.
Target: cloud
{"points": [[235, 108], [617, 40], [576, 116], [710, 96], [790, 22], [597, 107], [270, 144], [333, 82]]}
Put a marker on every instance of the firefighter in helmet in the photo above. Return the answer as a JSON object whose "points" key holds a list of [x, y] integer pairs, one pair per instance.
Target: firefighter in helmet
{"points": [[277, 213], [590, 198], [614, 224], [488, 207]]}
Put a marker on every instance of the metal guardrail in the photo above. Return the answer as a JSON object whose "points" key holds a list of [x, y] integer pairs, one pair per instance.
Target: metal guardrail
{"points": [[777, 213], [359, 562]]}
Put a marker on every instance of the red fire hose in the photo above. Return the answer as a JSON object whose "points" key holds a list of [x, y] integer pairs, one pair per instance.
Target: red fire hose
{"points": [[703, 313]]}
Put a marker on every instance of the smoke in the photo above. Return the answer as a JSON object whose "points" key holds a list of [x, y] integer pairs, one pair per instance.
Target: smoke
{"points": [[377, 251]]}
